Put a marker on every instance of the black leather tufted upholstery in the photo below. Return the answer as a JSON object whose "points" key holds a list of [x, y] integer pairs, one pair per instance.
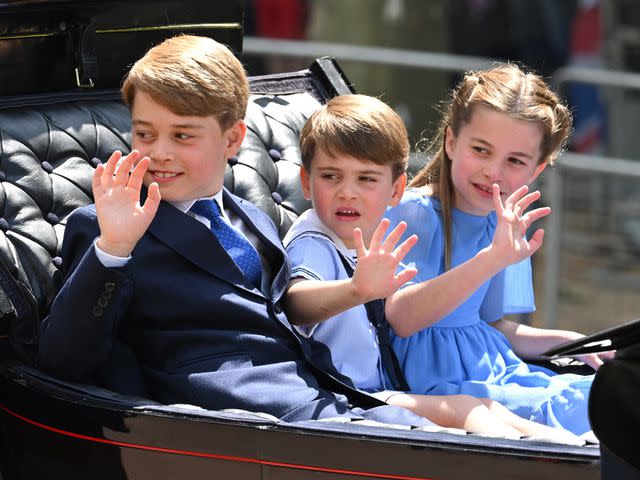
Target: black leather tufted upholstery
{"points": [[51, 145]]}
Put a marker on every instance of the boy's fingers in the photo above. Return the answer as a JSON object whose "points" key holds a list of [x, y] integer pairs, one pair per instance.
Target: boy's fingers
{"points": [[150, 206], [391, 240], [404, 276], [110, 166], [137, 175], [405, 247], [124, 169], [359, 243], [378, 235], [96, 181]]}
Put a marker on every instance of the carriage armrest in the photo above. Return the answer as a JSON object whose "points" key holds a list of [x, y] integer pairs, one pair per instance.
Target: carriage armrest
{"points": [[564, 365]]}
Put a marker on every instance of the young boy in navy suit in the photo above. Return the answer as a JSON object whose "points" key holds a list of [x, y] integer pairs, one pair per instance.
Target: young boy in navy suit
{"points": [[171, 266]]}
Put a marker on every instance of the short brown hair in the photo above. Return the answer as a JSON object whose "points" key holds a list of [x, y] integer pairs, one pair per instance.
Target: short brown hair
{"points": [[360, 126], [191, 75]]}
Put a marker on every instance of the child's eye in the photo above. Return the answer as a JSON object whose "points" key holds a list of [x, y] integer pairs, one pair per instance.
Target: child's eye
{"points": [[329, 176], [183, 136], [367, 179], [480, 150], [516, 161], [142, 135]]}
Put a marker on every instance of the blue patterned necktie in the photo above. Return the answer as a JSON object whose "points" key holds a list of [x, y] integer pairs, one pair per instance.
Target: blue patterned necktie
{"points": [[234, 242]]}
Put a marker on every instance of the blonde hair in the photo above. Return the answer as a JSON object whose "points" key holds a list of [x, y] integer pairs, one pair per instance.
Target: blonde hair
{"points": [[191, 75], [360, 126], [505, 89]]}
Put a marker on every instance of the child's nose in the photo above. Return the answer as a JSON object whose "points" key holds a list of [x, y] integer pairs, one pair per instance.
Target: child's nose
{"points": [[493, 171], [347, 190], [160, 151]]}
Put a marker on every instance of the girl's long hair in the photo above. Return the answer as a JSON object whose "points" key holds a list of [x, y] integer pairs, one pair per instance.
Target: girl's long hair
{"points": [[505, 89]]}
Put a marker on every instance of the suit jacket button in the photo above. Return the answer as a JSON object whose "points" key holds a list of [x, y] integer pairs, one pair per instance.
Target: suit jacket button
{"points": [[97, 311], [277, 308], [109, 286]]}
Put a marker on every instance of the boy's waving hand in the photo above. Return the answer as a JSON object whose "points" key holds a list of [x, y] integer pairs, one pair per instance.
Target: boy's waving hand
{"points": [[122, 219]]}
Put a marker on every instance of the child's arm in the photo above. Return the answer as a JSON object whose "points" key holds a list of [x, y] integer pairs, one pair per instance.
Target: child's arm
{"points": [[77, 336], [530, 342], [309, 302], [122, 219], [418, 306]]}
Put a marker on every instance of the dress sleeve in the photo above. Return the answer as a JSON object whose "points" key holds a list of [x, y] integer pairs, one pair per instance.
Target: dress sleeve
{"points": [[510, 291], [423, 220]]}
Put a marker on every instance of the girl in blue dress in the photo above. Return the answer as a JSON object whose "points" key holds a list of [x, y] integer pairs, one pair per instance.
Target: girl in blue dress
{"points": [[468, 209]]}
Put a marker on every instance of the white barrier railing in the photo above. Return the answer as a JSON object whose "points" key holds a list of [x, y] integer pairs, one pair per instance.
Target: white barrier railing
{"points": [[459, 63]]}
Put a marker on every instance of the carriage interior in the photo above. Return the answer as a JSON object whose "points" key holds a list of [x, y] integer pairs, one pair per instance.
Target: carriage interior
{"points": [[61, 114]]}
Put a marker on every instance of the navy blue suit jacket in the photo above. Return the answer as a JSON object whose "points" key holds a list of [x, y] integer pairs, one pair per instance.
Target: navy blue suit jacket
{"points": [[202, 334]]}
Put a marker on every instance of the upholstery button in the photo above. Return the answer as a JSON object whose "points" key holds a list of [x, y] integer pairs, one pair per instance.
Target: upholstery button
{"points": [[3, 176], [97, 311], [4, 225], [276, 197], [46, 166], [52, 218], [232, 160], [95, 162], [109, 286], [277, 308], [275, 154], [103, 302], [57, 261]]}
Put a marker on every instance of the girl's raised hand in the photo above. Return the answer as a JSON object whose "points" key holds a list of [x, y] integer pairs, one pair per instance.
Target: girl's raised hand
{"points": [[375, 275], [510, 237], [116, 191]]}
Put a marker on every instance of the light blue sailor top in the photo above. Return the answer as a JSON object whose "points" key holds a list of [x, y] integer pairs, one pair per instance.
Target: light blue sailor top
{"points": [[313, 251]]}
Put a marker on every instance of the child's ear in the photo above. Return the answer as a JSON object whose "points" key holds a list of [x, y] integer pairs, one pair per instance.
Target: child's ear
{"points": [[398, 189], [538, 170], [305, 183], [233, 137], [449, 142]]}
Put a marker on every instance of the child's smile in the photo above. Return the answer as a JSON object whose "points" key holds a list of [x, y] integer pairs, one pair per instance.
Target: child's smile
{"points": [[188, 153], [491, 148], [163, 177]]}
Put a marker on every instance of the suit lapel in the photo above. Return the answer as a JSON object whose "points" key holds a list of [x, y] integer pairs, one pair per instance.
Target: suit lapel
{"points": [[194, 241]]}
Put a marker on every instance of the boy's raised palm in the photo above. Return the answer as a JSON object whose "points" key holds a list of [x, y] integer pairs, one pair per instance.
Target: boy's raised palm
{"points": [[121, 218], [509, 240], [375, 275]]}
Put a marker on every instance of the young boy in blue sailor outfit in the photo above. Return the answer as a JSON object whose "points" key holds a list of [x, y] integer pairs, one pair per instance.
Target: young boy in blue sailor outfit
{"points": [[355, 151]]}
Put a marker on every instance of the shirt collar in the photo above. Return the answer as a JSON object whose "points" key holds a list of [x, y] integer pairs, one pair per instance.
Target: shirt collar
{"points": [[309, 221], [185, 205]]}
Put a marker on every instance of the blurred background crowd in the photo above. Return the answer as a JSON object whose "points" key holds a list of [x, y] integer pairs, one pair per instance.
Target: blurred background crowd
{"points": [[588, 273]]}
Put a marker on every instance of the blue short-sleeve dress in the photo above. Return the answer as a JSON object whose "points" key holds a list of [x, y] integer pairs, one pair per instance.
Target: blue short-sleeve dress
{"points": [[462, 353]]}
